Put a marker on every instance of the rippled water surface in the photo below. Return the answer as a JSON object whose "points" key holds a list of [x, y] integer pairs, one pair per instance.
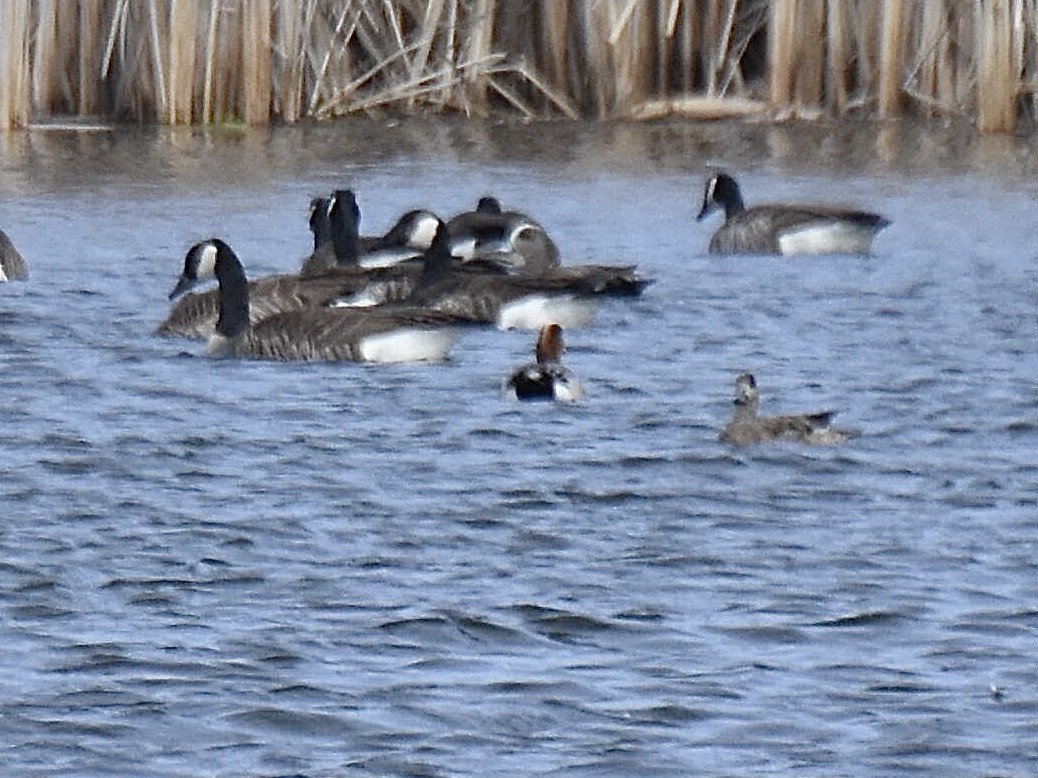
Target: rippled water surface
{"points": [[235, 568]]}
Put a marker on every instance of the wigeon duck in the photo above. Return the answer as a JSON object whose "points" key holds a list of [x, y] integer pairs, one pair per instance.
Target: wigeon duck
{"points": [[747, 428], [12, 266], [785, 229], [314, 333], [546, 379]]}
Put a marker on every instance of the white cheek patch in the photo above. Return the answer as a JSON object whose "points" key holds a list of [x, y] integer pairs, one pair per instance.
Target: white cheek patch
{"points": [[207, 262], [710, 189], [422, 237]]}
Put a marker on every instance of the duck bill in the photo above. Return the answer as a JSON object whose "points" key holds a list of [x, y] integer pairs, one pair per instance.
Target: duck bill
{"points": [[705, 210]]}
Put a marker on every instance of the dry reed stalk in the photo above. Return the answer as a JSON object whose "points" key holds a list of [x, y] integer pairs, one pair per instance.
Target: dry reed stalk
{"points": [[688, 35], [629, 55], [287, 56], [559, 101], [433, 13], [836, 55], [480, 43], [781, 53], [554, 56], [256, 61], [209, 79], [321, 90], [183, 34], [810, 55], [47, 63], [892, 46], [157, 32], [88, 91], [14, 61], [996, 81]]}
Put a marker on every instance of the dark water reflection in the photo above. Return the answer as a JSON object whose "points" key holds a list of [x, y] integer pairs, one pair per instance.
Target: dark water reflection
{"points": [[236, 568]]}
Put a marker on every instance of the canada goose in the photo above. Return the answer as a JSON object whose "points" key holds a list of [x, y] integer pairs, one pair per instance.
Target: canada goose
{"points": [[746, 427], [566, 296], [785, 229], [547, 378], [404, 241], [510, 238], [12, 266], [314, 333], [334, 225]]}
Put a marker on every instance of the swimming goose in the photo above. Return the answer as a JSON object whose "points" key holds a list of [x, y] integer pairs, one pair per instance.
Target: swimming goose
{"points": [[746, 427], [566, 296], [785, 229], [404, 241], [12, 266], [546, 379], [195, 315], [311, 334], [333, 222], [509, 238]]}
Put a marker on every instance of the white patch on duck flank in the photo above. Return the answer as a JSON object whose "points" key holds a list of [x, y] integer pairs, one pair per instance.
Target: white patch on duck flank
{"points": [[3, 273], [567, 389], [833, 238], [535, 311], [408, 345]]}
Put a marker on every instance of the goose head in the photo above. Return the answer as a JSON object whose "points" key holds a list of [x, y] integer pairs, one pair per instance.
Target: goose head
{"points": [[344, 222], [488, 204], [214, 258], [320, 225], [437, 259], [721, 191], [416, 229]]}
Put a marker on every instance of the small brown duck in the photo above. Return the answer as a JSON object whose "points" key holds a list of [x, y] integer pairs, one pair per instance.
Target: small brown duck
{"points": [[546, 379], [747, 428]]}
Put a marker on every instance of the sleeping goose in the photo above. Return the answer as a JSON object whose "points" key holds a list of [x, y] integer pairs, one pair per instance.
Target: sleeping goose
{"points": [[566, 296], [313, 333], [785, 229], [12, 266], [547, 378], [747, 428], [509, 238]]}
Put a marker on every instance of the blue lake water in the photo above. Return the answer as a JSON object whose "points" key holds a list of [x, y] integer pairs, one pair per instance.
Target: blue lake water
{"points": [[229, 568]]}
